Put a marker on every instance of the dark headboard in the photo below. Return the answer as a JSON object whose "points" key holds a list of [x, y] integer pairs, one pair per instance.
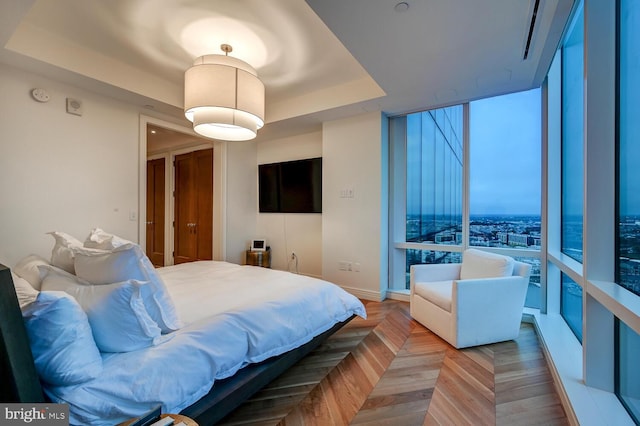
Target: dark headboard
{"points": [[18, 377]]}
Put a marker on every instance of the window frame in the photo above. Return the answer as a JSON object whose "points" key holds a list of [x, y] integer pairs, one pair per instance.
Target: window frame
{"points": [[397, 212]]}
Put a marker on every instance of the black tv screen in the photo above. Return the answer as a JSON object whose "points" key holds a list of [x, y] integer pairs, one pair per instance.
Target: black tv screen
{"points": [[290, 187]]}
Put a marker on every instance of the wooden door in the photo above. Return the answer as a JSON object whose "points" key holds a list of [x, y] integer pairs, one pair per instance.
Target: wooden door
{"points": [[193, 224], [204, 204], [155, 211]]}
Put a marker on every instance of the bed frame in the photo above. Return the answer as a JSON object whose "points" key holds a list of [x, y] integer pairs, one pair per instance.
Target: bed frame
{"points": [[20, 383]]}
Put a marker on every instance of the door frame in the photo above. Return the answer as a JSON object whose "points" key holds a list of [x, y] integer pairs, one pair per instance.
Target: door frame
{"points": [[219, 187], [164, 207]]}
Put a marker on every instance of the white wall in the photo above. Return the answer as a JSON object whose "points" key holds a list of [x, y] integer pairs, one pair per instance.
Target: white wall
{"points": [[241, 207], [70, 173], [60, 171], [355, 158], [290, 232]]}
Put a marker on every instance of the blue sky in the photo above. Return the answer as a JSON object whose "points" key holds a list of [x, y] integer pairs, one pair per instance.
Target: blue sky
{"points": [[629, 122], [505, 154]]}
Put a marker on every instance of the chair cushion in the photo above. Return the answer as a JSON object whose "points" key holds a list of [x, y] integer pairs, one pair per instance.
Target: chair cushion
{"points": [[436, 292], [481, 264]]}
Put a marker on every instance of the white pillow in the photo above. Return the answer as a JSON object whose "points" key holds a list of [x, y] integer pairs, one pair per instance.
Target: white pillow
{"points": [[25, 292], [116, 312], [61, 340], [128, 262], [99, 239], [27, 268], [481, 264], [61, 254], [58, 278]]}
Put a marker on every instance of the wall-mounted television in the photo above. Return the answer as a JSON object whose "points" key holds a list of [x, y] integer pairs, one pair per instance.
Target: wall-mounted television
{"points": [[290, 186]]}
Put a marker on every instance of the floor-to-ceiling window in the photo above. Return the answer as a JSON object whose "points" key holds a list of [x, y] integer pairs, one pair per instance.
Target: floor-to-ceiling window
{"points": [[433, 185], [504, 183], [628, 372], [572, 165], [628, 241], [629, 147], [434, 176], [504, 186], [572, 138], [590, 212], [571, 304]]}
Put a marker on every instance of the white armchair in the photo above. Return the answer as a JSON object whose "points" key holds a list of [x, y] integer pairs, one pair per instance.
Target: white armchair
{"points": [[476, 302]]}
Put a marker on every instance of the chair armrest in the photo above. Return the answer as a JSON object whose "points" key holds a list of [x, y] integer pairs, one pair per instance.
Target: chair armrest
{"points": [[433, 272], [522, 269], [488, 309]]}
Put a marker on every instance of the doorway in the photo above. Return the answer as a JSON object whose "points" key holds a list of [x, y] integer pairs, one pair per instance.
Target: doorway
{"points": [[156, 211], [158, 150], [193, 211]]}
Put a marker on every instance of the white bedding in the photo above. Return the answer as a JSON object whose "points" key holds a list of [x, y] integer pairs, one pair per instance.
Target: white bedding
{"points": [[233, 315]]}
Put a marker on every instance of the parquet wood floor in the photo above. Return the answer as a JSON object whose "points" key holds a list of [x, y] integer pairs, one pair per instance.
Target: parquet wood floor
{"points": [[390, 370]]}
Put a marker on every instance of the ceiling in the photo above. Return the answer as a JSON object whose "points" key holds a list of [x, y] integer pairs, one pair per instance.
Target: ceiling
{"points": [[318, 59]]}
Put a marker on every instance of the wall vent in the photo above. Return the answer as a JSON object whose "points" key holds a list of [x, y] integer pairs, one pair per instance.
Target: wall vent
{"points": [[532, 24]]}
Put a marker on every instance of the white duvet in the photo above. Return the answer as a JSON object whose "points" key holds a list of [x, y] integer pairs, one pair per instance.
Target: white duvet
{"points": [[233, 315]]}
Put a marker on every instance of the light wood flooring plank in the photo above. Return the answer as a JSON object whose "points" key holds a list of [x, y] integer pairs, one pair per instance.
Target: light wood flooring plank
{"points": [[390, 370], [346, 388], [459, 397]]}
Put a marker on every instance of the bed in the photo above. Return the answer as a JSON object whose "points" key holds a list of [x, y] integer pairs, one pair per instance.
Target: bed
{"points": [[226, 349]]}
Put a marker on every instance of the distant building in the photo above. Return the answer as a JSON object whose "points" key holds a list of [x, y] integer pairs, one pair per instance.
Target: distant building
{"points": [[446, 237], [517, 240]]}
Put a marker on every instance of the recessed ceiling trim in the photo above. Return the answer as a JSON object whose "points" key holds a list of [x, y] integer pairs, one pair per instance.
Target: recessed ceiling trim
{"points": [[45, 46]]}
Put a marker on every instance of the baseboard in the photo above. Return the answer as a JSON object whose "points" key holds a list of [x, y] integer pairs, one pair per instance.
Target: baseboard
{"points": [[401, 296], [366, 294]]}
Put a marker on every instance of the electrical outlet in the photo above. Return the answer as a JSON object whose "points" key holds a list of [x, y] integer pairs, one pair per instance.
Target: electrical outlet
{"points": [[293, 255], [345, 265]]}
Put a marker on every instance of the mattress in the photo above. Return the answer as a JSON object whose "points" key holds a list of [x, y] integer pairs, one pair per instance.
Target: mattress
{"points": [[233, 315]]}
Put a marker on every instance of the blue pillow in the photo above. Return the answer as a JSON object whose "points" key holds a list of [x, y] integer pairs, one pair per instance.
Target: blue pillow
{"points": [[61, 340]]}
